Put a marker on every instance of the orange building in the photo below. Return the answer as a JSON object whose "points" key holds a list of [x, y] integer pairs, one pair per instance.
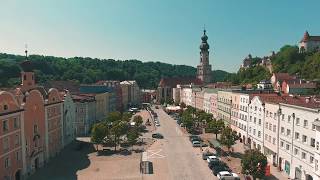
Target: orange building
{"points": [[10, 137]]}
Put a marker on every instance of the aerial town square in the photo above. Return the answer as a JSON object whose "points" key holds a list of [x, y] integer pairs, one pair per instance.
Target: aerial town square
{"points": [[159, 90]]}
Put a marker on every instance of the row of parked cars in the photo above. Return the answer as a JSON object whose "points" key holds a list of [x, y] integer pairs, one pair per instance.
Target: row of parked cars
{"points": [[218, 167]]}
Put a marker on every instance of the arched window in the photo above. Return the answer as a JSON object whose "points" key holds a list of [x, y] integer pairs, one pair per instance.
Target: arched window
{"points": [[5, 107]]}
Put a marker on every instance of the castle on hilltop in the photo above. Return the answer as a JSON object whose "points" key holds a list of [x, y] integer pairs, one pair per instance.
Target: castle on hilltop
{"points": [[309, 43], [252, 62]]}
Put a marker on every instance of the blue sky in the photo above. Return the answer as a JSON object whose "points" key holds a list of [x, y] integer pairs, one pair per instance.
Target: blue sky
{"points": [[156, 30]]}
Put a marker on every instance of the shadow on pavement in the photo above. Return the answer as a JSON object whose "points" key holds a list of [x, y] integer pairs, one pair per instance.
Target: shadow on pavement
{"points": [[65, 165]]}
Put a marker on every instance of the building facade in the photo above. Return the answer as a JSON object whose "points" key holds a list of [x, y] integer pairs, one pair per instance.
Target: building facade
{"points": [[69, 116], [11, 134], [224, 106], [54, 122], [309, 43]]}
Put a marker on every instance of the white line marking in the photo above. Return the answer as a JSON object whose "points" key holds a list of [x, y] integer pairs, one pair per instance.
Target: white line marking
{"points": [[155, 154]]}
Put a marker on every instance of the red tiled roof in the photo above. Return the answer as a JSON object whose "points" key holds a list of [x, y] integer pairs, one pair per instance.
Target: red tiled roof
{"points": [[173, 81], [303, 101], [283, 76]]}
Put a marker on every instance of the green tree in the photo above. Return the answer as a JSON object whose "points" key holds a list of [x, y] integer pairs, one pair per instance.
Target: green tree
{"points": [[183, 105], [114, 116], [133, 136], [118, 130], [228, 137], [215, 126], [138, 120], [98, 134], [254, 163]]}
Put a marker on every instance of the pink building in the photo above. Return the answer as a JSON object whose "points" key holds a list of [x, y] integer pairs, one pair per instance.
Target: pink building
{"points": [[10, 137], [235, 111], [53, 117], [34, 130]]}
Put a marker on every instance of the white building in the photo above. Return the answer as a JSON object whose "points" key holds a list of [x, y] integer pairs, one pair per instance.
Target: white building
{"points": [[317, 151], [297, 140], [206, 102], [243, 116], [309, 43], [256, 117], [271, 125]]}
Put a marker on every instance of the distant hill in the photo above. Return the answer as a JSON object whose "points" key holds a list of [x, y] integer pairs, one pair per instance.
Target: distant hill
{"points": [[89, 70], [288, 59]]}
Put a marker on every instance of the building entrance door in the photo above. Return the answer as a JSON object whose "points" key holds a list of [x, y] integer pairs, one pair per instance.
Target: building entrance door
{"points": [[297, 174]]}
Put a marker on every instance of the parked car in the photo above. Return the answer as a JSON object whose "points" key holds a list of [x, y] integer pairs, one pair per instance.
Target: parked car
{"points": [[157, 135], [194, 138], [206, 154], [226, 175], [221, 166], [213, 163], [157, 124], [212, 158], [196, 143]]}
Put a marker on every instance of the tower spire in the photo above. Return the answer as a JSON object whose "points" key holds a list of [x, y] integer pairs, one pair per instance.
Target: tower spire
{"points": [[204, 29], [26, 51]]}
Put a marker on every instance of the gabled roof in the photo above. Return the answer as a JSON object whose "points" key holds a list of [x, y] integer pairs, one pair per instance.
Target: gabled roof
{"points": [[173, 81], [307, 37], [283, 76]]}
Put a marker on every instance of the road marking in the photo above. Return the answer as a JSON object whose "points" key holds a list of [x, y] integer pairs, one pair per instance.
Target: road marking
{"points": [[155, 153]]}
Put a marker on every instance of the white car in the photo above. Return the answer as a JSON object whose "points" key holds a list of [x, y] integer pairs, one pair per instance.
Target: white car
{"points": [[212, 158], [157, 124], [226, 175]]}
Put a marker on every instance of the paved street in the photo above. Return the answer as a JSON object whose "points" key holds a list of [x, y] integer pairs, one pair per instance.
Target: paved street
{"points": [[175, 158]]}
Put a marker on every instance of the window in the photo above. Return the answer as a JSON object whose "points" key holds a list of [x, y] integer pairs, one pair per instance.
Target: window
{"points": [[266, 137], [35, 129], [305, 123], [18, 156], [6, 162], [311, 159], [282, 117], [16, 123], [289, 118], [254, 131], [274, 115], [259, 121], [303, 155], [317, 145], [274, 128], [267, 113], [267, 124], [254, 119], [296, 151], [287, 147], [298, 121], [282, 130], [288, 132], [281, 143], [304, 138], [313, 127], [273, 140], [297, 135], [5, 107], [6, 144], [5, 126], [259, 133], [316, 165], [312, 142], [270, 127], [269, 138], [17, 140]]}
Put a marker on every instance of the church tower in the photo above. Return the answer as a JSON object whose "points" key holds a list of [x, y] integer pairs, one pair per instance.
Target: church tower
{"points": [[204, 68]]}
